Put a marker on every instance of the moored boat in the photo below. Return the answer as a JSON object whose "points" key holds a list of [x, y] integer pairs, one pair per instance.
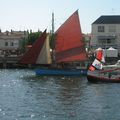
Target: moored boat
{"points": [[106, 76], [96, 73], [60, 72], [69, 50]]}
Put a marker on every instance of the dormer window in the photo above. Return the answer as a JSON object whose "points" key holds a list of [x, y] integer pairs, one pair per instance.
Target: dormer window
{"points": [[101, 29]]}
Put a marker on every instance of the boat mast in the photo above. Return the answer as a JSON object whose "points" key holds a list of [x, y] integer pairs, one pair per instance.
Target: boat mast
{"points": [[53, 39], [52, 23]]}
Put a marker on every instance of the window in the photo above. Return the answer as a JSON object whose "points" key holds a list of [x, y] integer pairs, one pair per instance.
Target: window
{"points": [[6, 43], [11, 44], [108, 41], [112, 28], [101, 29]]}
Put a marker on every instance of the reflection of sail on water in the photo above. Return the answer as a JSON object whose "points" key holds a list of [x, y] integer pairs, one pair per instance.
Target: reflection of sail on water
{"points": [[69, 45], [39, 53]]}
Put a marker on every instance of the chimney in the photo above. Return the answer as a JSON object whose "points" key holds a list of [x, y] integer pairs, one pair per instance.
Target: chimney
{"points": [[7, 32], [11, 31]]}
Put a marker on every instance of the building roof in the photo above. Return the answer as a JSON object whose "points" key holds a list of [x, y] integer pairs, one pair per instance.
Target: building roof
{"points": [[108, 19]]}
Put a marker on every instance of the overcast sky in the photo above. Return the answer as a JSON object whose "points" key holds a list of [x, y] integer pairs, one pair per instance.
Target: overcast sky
{"points": [[36, 14]]}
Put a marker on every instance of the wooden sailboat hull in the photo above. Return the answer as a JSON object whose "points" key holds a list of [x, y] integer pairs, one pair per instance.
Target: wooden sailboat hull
{"points": [[60, 72], [92, 78]]}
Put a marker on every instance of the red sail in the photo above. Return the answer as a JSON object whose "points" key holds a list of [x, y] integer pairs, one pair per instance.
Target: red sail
{"points": [[32, 55], [69, 44]]}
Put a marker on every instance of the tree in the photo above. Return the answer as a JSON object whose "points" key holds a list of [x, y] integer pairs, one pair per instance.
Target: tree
{"points": [[52, 41], [23, 44], [32, 37]]}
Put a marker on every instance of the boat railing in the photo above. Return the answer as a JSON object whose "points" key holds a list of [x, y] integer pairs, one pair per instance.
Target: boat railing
{"points": [[111, 73]]}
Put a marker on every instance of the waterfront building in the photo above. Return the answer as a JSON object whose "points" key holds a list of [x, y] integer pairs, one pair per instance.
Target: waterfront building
{"points": [[11, 42], [106, 32]]}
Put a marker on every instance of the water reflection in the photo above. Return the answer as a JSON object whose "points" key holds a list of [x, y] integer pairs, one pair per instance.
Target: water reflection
{"points": [[23, 96], [69, 96], [56, 96]]}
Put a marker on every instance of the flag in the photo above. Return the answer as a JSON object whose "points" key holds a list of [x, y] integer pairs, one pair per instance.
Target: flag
{"points": [[97, 64]]}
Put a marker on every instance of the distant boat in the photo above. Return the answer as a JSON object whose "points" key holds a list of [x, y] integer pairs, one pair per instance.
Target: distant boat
{"points": [[99, 73], [69, 51]]}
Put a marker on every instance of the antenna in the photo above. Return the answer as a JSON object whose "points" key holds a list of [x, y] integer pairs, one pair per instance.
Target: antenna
{"points": [[113, 11]]}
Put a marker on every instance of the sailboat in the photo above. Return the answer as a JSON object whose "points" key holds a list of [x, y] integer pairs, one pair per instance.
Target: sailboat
{"points": [[39, 53], [99, 73], [69, 49]]}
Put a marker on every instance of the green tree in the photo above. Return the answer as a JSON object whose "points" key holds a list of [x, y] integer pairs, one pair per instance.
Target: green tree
{"points": [[23, 44], [32, 37], [52, 41]]}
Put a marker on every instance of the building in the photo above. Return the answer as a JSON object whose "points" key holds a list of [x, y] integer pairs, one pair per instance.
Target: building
{"points": [[87, 39], [106, 32], [10, 42]]}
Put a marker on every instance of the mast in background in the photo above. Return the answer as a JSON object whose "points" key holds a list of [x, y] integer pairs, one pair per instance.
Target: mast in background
{"points": [[53, 39], [52, 23]]}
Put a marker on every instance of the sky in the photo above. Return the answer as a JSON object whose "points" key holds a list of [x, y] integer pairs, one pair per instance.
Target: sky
{"points": [[37, 14]]}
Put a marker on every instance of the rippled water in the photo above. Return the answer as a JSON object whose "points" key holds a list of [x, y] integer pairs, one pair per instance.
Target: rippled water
{"points": [[23, 96]]}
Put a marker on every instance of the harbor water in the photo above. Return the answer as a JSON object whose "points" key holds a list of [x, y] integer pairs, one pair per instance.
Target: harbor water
{"points": [[23, 96]]}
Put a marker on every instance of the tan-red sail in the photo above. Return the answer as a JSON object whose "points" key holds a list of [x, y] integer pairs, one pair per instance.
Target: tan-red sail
{"points": [[69, 45], [39, 53]]}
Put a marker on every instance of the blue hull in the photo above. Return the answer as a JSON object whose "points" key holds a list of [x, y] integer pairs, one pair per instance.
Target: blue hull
{"points": [[60, 72]]}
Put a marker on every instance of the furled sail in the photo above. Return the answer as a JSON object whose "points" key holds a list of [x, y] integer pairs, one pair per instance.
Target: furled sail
{"points": [[39, 53], [69, 45]]}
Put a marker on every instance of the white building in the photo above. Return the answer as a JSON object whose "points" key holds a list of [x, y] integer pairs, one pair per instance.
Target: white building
{"points": [[106, 32], [11, 41]]}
